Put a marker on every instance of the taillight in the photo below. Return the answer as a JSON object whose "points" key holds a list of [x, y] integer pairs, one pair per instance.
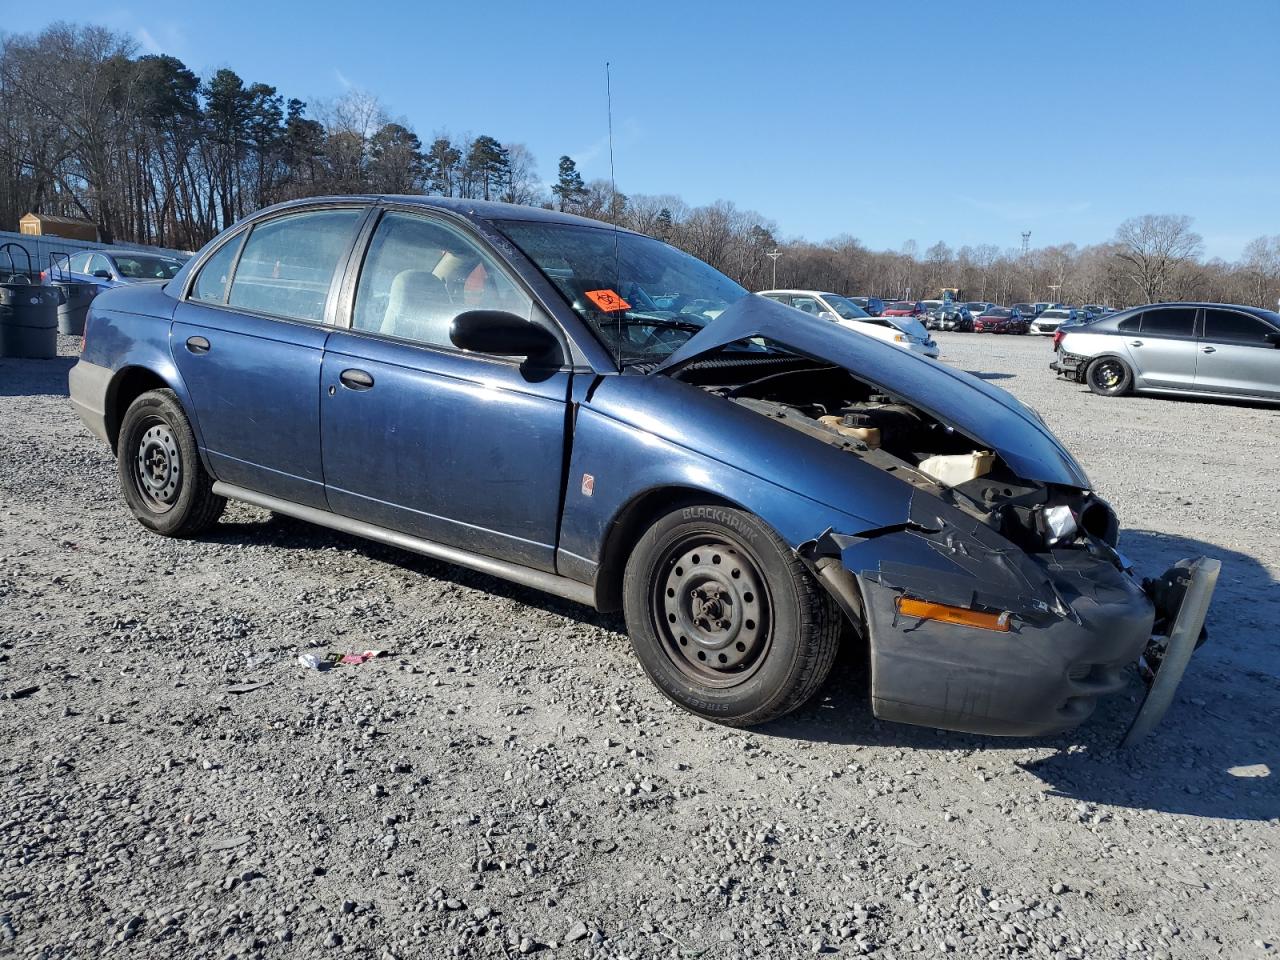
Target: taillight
{"points": [[1057, 339]]}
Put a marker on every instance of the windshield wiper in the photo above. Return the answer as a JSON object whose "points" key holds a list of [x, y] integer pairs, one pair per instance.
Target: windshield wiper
{"points": [[642, 321]]}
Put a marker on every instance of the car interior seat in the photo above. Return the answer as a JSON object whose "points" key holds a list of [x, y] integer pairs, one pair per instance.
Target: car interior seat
{"points": [[419, 308]]}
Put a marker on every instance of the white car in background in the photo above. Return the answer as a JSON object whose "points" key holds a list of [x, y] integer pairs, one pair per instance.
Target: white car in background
{"points": [[908, 333], [1048, 322]]}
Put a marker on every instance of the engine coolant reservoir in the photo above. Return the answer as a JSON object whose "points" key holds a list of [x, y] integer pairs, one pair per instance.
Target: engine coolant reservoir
{"points": [[956, 468]]}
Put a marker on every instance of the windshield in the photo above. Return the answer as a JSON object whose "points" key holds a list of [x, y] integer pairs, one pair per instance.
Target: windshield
{"points": [[1000, 312], [902, 305], [642, 297], [1054, 315], [976, 306], [147, 268], [847, 309]]}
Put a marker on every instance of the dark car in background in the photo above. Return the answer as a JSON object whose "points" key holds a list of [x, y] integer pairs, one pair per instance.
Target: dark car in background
{"points": [[497, 387], [1029, 311], [952, 315], [1001, 320], [1219, 350], [873, 306], [114, 268]]}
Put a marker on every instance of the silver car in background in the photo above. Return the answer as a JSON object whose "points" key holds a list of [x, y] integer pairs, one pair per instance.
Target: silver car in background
{"points": [[1201, 349]]}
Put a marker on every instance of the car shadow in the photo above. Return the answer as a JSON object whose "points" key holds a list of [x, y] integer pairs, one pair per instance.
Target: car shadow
{"points": [[34, 378], [1244, 403], [1215, 754], [988, 375], [281, 532]]}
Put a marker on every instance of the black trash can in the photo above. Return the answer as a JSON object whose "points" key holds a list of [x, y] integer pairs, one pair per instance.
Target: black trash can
{"points": [[76, 297], [29, 320]]}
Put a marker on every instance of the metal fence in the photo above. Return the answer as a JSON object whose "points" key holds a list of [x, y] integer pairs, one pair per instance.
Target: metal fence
{"points": [[41, 248]]}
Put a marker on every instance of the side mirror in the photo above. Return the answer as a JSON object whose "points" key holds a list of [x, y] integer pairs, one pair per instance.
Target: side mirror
{"points": [[501, 333], [102, 274], [828, 315]]}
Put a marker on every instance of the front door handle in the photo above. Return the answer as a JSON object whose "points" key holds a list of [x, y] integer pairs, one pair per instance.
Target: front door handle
{"points": [[1207, 349], [197, 344], [356, 379], [1135, 343]]}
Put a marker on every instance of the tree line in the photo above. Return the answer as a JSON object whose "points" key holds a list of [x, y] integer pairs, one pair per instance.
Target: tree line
{"points": [[154, 154]]}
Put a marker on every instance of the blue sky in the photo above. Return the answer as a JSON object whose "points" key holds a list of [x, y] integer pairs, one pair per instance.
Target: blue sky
{"points": [[968, 122]]}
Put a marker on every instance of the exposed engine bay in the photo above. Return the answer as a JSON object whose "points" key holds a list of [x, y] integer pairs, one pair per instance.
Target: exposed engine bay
{"points": [[833, 406]]}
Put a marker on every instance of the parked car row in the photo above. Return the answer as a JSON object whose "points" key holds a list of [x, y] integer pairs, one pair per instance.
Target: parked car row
{"points": [[905, 332]]}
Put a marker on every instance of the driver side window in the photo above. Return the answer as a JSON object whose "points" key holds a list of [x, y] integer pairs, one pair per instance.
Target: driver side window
{"points": [[419, 274]]}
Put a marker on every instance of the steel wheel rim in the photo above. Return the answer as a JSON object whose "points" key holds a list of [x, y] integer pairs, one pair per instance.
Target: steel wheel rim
{"points": [[157, 465], [712, 610], [1108, 374]]}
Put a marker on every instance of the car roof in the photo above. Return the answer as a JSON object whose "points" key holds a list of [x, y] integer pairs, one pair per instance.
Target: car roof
{"points": [[491, 210]]}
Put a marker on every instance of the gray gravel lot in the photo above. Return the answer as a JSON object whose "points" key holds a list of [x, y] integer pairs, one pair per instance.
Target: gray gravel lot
{"points": [[508, 782]]}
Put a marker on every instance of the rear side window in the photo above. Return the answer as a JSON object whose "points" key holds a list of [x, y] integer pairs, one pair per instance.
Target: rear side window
{"points": [[1169, 322], [1229, 326], [80, 263], [1131, 324], [288, 263], [211, 282]]}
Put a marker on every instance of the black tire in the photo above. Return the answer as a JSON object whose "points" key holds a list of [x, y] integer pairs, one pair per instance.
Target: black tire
{"points": [[1109, 377], [725, 619], [162, 477]]}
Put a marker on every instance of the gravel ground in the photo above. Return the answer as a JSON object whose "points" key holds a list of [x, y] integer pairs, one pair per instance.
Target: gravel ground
{"points": [[172, 783]]}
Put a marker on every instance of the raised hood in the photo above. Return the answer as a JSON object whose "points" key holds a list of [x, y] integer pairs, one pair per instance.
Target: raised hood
{"points": [[982, 412]]}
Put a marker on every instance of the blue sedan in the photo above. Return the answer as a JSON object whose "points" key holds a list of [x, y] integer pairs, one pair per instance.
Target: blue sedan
{"points": [[594, 413], [114, 268]]}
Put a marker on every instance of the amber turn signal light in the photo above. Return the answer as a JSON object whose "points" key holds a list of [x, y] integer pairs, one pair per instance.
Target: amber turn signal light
{"points": [[945, 613]]}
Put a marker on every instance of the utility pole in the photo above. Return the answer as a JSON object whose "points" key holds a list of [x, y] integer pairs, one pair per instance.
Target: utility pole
{"points": [[773, 255]]}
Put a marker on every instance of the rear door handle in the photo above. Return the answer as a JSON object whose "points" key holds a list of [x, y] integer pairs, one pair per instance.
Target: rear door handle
{"points": [[1208, 349], [1135, 343], [356, 379], [197, 344]]}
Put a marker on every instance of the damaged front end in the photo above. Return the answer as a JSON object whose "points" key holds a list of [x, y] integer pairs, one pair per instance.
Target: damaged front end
{"points": [[968, 631], [998, 603]]}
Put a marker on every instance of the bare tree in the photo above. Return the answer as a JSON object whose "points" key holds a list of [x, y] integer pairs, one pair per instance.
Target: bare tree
{"points": [[1153, 248]]}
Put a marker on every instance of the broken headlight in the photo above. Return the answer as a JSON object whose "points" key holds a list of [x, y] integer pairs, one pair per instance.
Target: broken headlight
{"points": [[1059, 524]]}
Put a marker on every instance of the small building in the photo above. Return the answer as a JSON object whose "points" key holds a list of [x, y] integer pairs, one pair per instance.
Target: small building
{"points": [[47, 225]]}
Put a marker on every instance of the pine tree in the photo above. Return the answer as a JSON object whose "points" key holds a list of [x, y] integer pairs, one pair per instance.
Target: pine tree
{"points": [[487, 164], [569, 187], [441, 164]]}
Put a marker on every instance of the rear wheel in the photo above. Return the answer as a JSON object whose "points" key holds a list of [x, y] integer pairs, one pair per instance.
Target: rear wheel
{"points": [[161, 476], [725, 619], [1109, 377]]}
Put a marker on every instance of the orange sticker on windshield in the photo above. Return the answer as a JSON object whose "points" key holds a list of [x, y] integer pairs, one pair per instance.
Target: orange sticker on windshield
{"points": [[607, 300]]}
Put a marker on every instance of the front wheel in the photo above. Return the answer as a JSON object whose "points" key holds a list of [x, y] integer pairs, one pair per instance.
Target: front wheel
{"points": [[161, 476], [725, 619], [1109, 377]]}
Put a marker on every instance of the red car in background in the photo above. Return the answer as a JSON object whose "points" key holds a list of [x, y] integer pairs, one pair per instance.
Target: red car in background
{"points": [[904, 308], [1000, 320]]}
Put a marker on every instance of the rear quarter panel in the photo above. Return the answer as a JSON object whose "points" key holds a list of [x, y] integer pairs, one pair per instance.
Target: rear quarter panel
{"points": [[128, 327]]}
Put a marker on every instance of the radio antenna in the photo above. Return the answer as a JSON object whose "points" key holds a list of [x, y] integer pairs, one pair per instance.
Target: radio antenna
{"points": [[613, 209]]}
